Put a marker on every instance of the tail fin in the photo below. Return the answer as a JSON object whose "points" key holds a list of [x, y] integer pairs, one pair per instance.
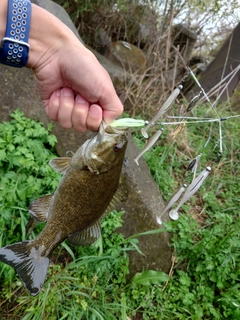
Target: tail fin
{"points": [[28, 262]]}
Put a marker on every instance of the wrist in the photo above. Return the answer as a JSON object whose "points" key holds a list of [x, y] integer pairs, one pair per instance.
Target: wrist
{"points": [[14, 46], [47, 36], [3, 17]]}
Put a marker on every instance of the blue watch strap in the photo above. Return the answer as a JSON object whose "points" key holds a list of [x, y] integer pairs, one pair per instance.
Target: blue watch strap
{"points": [[14, 47]]}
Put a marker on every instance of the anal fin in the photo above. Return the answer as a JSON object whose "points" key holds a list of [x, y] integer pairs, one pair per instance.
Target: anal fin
{"points": [[87, 236], [39, 208]]}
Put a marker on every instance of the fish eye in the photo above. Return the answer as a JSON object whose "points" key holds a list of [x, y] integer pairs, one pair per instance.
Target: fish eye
{"points": [[117, 147]]}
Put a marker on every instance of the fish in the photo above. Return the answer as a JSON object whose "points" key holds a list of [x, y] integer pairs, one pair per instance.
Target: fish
{"points": [[88, 189]]}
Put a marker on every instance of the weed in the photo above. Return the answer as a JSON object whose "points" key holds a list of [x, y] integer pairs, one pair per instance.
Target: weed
{"points": [[89, 287], [206, 238], [26, 147], [205, 281]]}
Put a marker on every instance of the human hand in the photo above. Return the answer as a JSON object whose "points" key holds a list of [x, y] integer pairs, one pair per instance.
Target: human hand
{"points": [[76, 90]]}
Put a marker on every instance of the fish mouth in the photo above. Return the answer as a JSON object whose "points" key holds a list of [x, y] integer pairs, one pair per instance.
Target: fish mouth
{"points": [[106, 129], [96, 150]]}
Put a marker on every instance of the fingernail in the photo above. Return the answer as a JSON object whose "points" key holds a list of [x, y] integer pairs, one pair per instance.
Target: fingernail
{"points": [[95, 112], [58, 92], [80, 99], [67, 92]]}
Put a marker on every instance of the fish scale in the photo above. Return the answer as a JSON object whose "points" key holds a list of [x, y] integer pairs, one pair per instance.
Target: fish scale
{"points": [[83, 210], [88, 189]]}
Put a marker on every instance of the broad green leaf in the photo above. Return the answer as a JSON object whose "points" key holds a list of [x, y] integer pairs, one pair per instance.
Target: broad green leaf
{"points": [[19, 139], [52, 140], [2, 155], [149, 277]]}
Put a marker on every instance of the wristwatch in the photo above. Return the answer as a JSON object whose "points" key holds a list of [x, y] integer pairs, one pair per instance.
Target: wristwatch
{"points": [[14, 47]]}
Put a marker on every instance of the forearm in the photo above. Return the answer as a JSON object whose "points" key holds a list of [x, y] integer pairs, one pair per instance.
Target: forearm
{"points": [[47, 34], [74, 87]]}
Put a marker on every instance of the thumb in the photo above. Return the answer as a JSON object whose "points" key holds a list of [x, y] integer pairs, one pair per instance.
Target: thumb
{"points": [[112, 108]]}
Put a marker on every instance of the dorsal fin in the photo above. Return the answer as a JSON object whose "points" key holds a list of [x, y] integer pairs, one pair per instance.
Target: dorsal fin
{"points": [[60, 165], [39, 208], [87, 236]]}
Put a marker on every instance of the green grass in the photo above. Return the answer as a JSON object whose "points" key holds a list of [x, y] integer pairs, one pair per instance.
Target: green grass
{"points": [[206, 238], [91, 282]]}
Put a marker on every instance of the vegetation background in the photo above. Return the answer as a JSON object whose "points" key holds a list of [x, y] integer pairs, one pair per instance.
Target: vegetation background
{"points": [[91, 282]]}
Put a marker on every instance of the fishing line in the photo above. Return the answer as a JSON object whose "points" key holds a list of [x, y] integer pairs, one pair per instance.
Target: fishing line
{"points": [[226, 85], [198, 120], [204, 93], [181, 122]]}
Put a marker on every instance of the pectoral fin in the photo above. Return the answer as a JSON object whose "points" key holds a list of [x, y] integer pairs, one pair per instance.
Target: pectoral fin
{"points": [[70, 154], [39, 208], [60, 165], [87, 236]]}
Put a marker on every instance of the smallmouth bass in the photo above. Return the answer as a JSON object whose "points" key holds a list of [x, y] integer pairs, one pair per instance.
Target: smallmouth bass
{"points": [[87, 190]]}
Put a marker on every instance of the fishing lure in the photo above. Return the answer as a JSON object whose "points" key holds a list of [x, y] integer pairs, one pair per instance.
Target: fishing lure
{"points": [[194, 163], [192, 188], [127, 122], [167, 104], [193, 102], [174, 199], [150, 143]]}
